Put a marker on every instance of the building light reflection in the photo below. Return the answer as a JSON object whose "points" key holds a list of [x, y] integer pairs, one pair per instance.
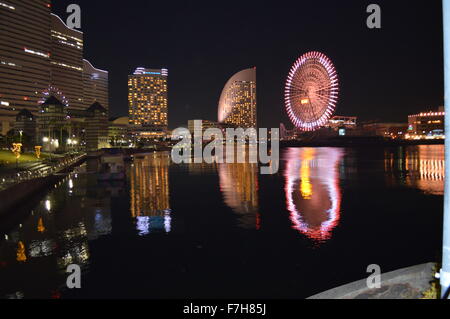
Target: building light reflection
{"points": [[239, 186], [150, 194]]}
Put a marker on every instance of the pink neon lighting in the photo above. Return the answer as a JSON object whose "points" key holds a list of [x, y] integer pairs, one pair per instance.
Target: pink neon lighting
{"points": [[313, 78], [313, 194]]}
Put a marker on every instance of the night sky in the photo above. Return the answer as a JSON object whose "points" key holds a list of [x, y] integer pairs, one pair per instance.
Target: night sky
{"points": [[384, 74]]}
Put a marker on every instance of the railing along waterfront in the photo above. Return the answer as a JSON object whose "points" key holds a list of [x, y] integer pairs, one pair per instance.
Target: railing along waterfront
{"points": [[26, 175]]}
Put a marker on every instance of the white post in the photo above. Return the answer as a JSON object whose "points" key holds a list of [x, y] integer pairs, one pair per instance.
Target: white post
{"points": [[445, 272]]}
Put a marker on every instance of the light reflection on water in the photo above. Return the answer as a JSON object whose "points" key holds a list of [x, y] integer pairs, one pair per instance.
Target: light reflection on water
{"points": [[421, 167], [313, 196], [149, 192], [239, 187], [59, 229]]}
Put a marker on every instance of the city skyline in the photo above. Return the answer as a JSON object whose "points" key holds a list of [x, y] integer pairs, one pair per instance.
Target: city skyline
{"points": [[214, 152], [271, 41]]}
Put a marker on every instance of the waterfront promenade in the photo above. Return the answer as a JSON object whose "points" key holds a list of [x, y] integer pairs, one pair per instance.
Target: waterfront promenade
{"points": [[17, 185]]}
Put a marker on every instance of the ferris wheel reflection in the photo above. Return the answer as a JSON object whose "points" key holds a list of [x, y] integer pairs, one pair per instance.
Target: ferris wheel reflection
{"points": [[313, 195]]}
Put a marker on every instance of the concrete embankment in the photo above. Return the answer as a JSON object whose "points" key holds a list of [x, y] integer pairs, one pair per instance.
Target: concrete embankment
{"points": [[407, 283], [16, 195]]}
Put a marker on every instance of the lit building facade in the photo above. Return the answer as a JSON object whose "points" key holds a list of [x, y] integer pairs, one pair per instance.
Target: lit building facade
{"points": [[95, 86], [67, 62], [426, 125], [25, 47], [237, 105], [118, 131], [202, 126], [338, 122], [148, 103]]}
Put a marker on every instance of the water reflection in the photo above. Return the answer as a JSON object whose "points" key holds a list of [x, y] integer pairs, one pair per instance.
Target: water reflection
{"points": [[313, 195], [421, 167], [55, 234], [150, 193], [239, 187]]}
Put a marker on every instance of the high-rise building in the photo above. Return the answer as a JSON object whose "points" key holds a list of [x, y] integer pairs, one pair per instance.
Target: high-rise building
{"points": [[39, 53], [237, 105], [67, 62], [95, 86], [148, 103], [25, 56]]}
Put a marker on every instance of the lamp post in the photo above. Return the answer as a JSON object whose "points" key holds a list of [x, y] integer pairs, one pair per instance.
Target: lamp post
{"points": [[445, 272]]}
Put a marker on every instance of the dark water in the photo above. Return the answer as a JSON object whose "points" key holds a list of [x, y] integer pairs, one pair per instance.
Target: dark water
{"points": [[223, 230]]}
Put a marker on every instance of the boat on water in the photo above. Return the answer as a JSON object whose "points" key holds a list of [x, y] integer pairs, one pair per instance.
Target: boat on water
{"points": [[112, 168]]}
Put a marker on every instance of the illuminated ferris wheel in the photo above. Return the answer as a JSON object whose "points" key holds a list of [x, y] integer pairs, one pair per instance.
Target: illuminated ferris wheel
{"points": [[57, 93], [312, 90]]}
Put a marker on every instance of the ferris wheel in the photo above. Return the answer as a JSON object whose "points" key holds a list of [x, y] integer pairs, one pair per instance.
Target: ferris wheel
{"points": [[312, 90], [57, 93]]}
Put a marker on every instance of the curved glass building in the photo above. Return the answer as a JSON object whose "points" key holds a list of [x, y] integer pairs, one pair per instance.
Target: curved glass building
{"points": [[237, 105]]}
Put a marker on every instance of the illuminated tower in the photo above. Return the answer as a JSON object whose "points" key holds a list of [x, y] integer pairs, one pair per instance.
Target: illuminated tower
{"points": [[148, 103], [237, 105]]}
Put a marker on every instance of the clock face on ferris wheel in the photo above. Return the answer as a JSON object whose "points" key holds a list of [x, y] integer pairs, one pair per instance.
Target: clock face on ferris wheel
{"points": [[311, 91]]}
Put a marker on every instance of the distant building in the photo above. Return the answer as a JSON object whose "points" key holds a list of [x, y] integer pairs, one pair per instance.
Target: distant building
{"points": [[118, 131], [96, 128], [6, 124], [148, 103], [25, 124], [95, 86], [237, 105], [52, 125], [339, 122], [202, 127], [426, 125], [387, 130]]}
